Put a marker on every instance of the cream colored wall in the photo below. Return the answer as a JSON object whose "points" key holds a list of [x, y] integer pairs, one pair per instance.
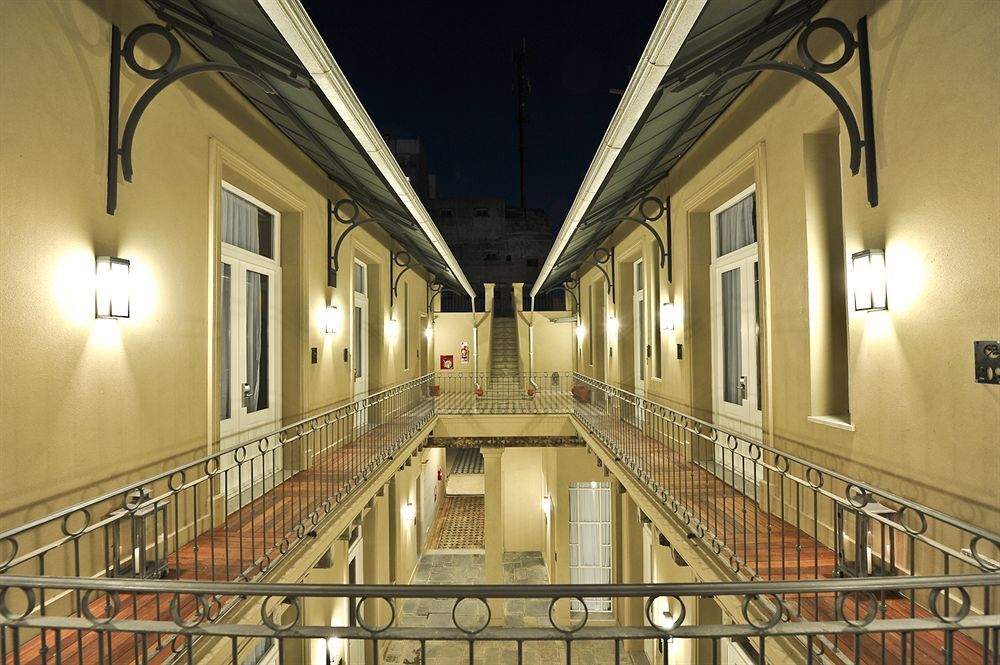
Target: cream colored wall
{"points": [[922, 426], [555, 343], [450, 330], [106, 402]]}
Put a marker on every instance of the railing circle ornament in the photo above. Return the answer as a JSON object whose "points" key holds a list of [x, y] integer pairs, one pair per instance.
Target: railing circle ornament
{"points": [[211, 466], [134, 498], [201, 611], [29, 604], [657, 208], [12, 548], [265, 614], [114, 605], [176, 481], [732, 442], [264, 563], [814, 477], [963, 608], [902, 517], [781, 463], [754, 451], [214, 609], [68, 530], [466, 629], [675, 621], [283, 545], [568, 630], [263, 445], [402, 258], [985, 563], [773, 620], [826, 24], [364, 624], [857, 496], [602, 255], [345, 210], [128, 51], [240, 455], [862, 621]]}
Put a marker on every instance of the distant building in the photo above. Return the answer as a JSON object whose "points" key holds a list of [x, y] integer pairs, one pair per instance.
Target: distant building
{"points": [[413, 160], [493, 241]]}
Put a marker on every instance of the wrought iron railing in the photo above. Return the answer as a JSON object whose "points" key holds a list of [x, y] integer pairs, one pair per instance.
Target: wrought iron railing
{"points": [[228, 516], [462, 393], [770, 515], [858, 629]]}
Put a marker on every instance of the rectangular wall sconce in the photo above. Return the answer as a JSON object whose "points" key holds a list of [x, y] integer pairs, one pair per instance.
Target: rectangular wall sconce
{"points": [[409, 512], [612, 326], [111, 295], [546, 505], [331, 320], [668, 316], [428, 332], [392, 329], [868, 273], [581, 331]]}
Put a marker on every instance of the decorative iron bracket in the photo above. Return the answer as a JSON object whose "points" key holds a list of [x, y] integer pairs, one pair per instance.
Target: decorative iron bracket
{"points": [[861, 139], [434, 289], [344, 211], [598, 259], [120, 151], [401, 259], [651, 209], [566, 287]]}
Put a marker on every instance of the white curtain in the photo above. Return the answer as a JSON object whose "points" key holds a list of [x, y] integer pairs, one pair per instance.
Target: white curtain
{"points": [[590, 539], [732, 329], [736, 226], [240, 225]]}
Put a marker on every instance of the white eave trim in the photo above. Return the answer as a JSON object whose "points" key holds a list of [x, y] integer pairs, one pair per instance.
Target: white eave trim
{"points": [[295, 26], [672, 28]]}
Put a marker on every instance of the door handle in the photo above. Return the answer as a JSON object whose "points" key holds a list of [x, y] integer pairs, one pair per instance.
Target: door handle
{"points": [[649, 351], [247, 394], [743, 389]]}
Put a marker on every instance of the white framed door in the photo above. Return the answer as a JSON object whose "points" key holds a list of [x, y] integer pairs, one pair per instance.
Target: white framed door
{"points": [[355, 575], [736, 319], [249, 309], [639, 327], [359, 333]]}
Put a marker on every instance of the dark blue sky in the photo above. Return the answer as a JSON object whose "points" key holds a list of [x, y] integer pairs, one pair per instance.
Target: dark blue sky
{"points": [[444, 72]]}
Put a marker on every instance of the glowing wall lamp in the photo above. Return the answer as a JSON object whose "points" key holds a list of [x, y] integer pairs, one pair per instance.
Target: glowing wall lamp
{"points": [[868, 271], [331, 320], [409, 512], [392, 329], [429, 332], [612, 326], [580, 332], [112, 288], [668, 316], [546, 505]]}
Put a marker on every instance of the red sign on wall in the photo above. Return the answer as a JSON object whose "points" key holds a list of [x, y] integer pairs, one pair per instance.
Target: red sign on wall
{"points": [[447, 362]]}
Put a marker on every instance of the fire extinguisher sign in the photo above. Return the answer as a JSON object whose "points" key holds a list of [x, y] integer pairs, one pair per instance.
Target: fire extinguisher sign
{"points": [[465, 353]]}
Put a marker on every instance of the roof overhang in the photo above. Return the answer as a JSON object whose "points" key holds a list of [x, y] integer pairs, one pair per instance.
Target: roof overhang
{"points": [[664, 112], [316, 108]]}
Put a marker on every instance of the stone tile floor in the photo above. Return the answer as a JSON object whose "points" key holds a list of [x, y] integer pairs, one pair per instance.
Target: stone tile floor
{"points": [[462, 568], [459, 524]]}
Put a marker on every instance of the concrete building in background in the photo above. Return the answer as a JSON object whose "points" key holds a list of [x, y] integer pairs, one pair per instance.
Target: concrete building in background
{"points": [[494, 241], [759, 422]]}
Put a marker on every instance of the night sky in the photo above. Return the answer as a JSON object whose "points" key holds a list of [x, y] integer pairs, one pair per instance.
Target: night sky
{"points": [[444, 72]]}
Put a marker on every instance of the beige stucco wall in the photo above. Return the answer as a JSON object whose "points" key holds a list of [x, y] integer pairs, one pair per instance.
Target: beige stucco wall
{"points": [[105, 402], [922, 426]]}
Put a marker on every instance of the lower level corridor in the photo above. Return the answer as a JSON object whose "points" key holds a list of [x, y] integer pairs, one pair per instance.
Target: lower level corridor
{"points": [[469, 568]]}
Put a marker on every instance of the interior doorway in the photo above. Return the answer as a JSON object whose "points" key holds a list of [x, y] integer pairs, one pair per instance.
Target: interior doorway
{"points": [[360, 345]]}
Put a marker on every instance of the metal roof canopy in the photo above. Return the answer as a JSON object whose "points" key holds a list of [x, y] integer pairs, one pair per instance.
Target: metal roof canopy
{"points": [[692, 93], [240, 33]]}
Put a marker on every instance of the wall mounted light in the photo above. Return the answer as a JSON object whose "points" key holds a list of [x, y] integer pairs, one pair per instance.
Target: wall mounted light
{"points": [[392, 329], [111, 295], [581, 331], [612, 326], [409, 512], [546, 505], [429, 332], [331, 320], [668, 316], [868, 274]]}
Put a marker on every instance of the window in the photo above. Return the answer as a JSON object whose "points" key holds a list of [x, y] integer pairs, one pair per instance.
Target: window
{"points": [[482, 212], [532, 262], [445, 212], [247, 226], [490, 256], [590, 540], [508, 258]]}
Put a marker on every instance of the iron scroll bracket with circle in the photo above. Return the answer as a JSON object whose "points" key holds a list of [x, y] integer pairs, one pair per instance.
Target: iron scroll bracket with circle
{"points": [[598, 259], [651, 209], [403, 262], [861, 135], [120, 139], [345, 212]]}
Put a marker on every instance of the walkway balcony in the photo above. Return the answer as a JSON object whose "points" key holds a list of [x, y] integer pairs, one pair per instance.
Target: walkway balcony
{"points": [[186, 566]]}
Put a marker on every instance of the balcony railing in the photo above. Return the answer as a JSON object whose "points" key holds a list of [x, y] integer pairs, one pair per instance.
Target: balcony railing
{"points": [[847, 571], [857, 630]]}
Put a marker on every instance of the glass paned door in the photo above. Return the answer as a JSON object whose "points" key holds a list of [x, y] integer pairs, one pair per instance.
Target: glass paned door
{"points": [[590, 540], [359, 334]]}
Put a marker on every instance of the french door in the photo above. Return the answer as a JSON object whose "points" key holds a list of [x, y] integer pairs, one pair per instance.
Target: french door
{"points": [[359, 336], [249, 308], [639, 336], [736, 321]]}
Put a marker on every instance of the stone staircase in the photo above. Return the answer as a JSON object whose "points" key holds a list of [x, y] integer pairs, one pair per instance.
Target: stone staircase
{"points": [[504, 382]]}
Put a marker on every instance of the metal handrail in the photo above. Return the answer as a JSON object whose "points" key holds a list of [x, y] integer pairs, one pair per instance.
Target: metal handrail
{"points": [[107, 496], [694, 425]]}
